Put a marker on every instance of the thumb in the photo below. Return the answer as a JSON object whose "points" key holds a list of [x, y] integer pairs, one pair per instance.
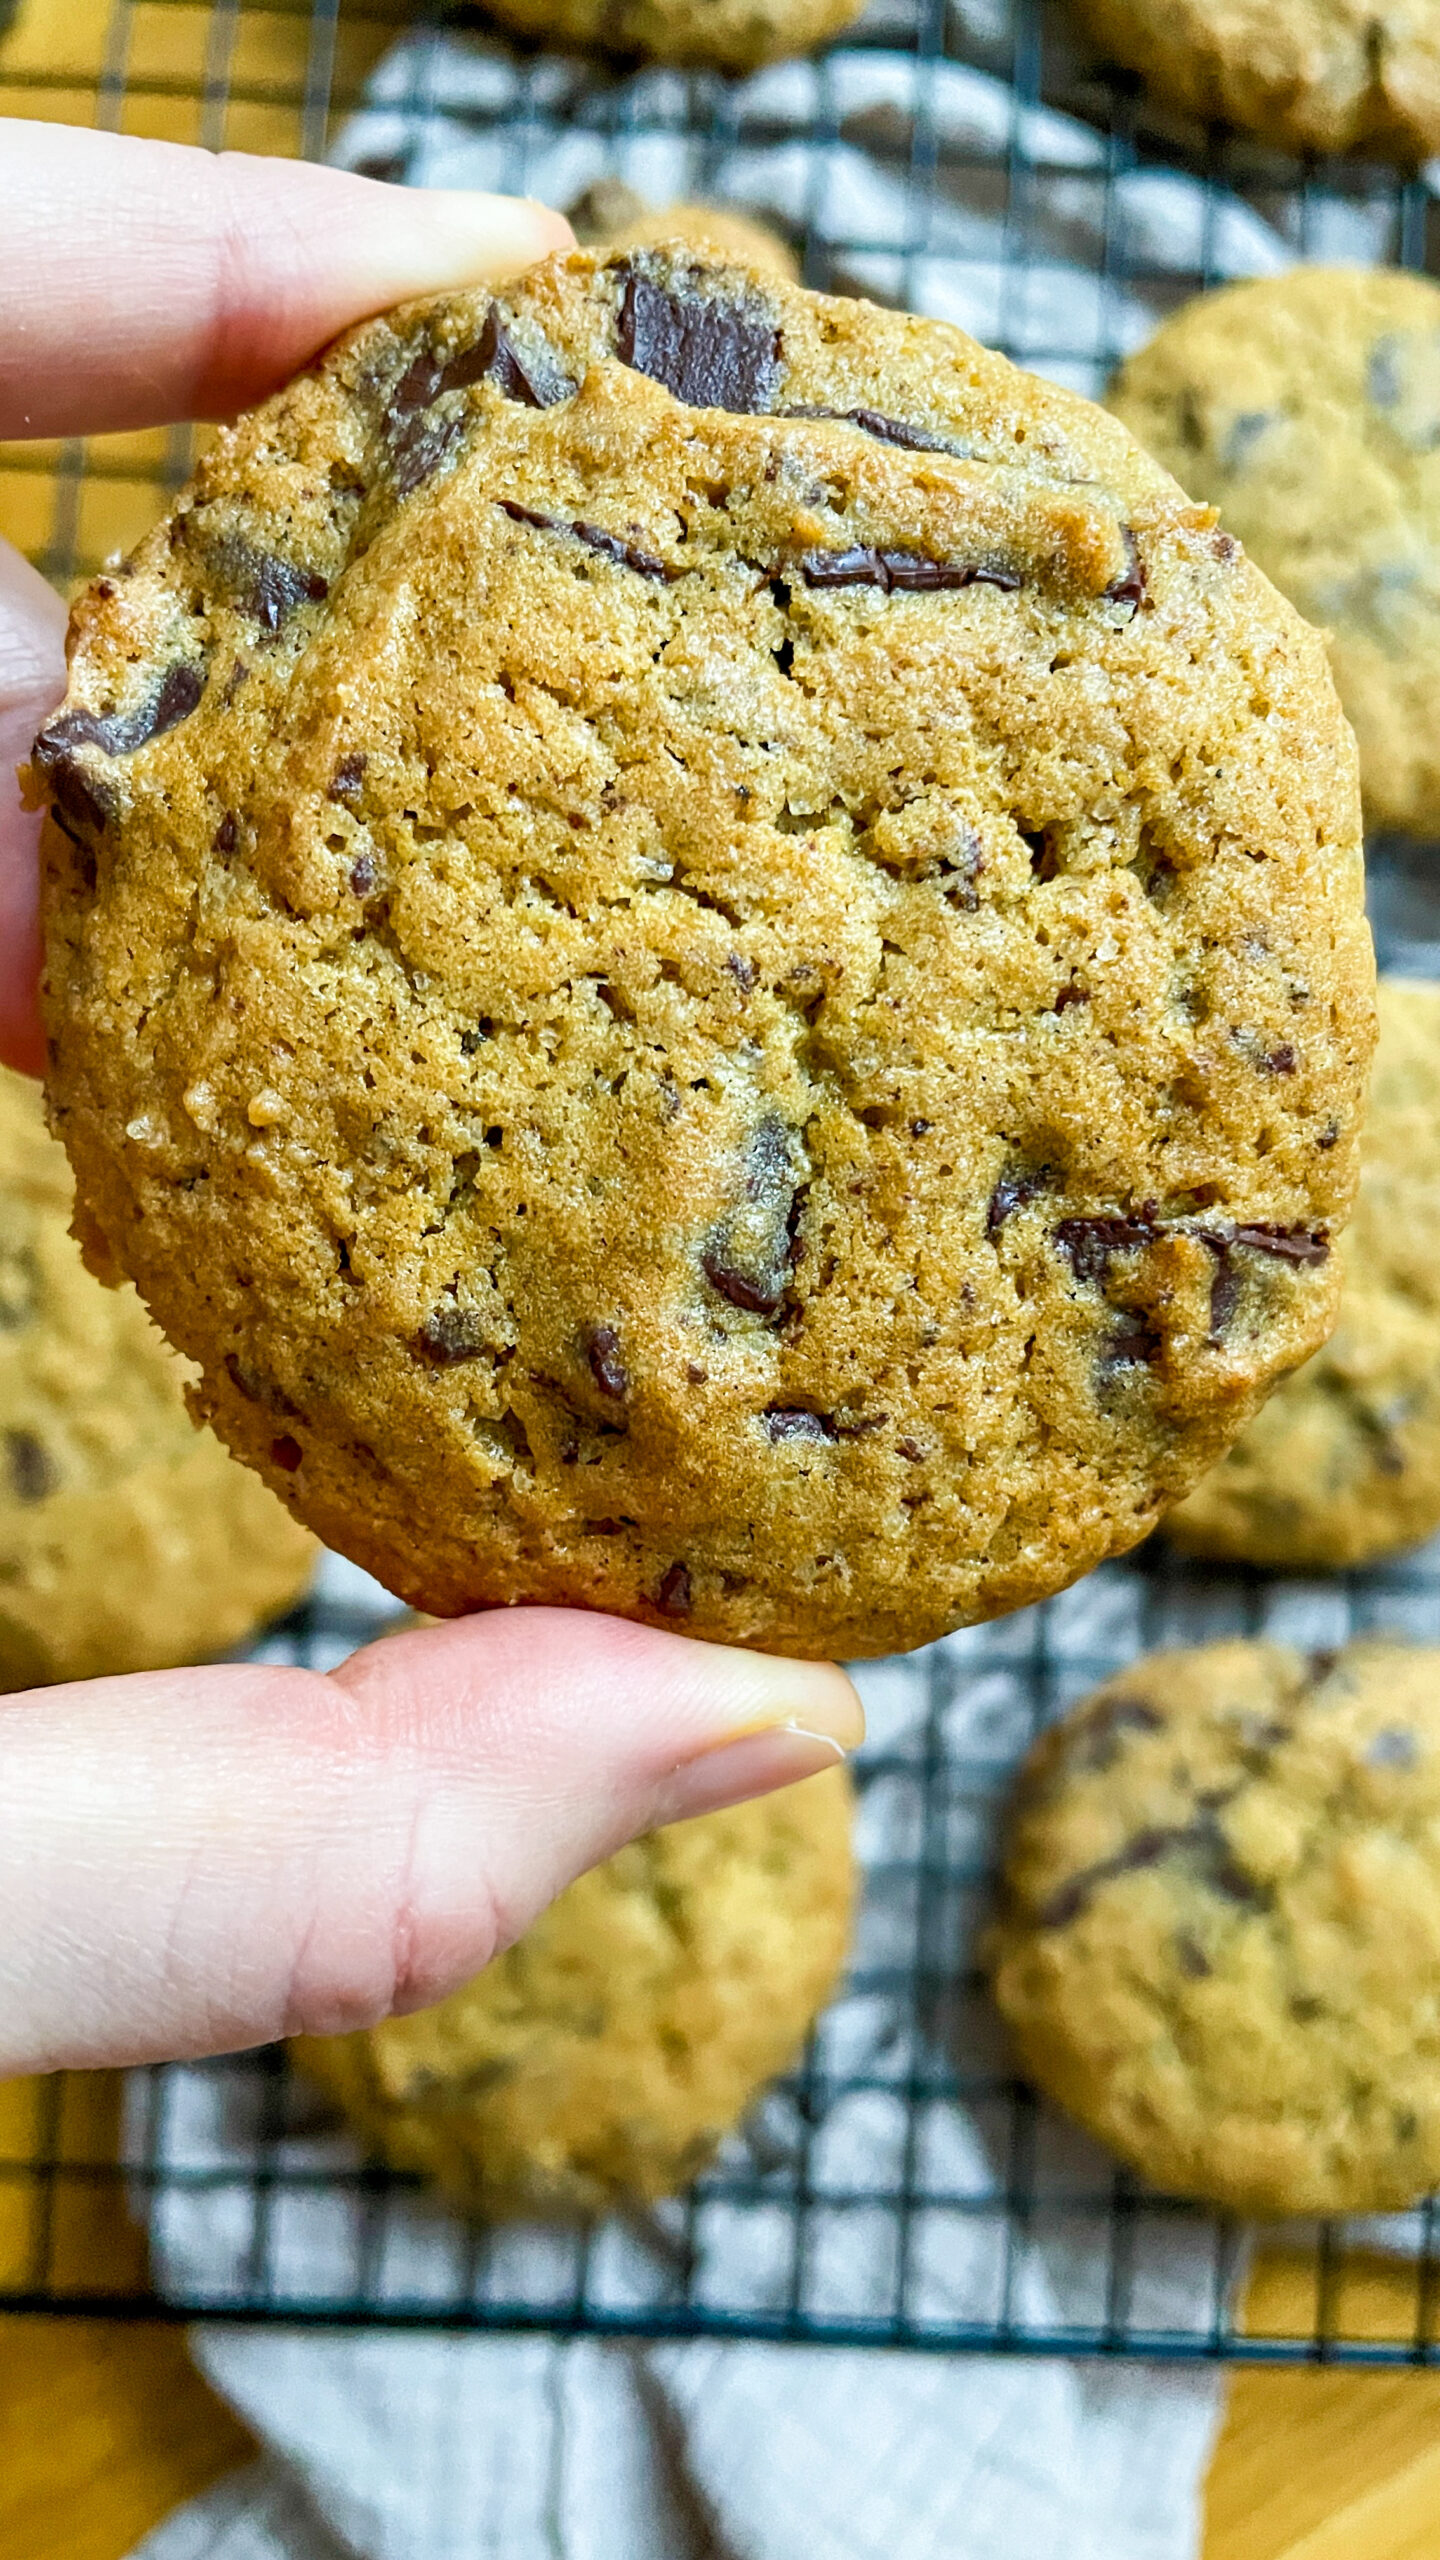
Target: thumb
{"points": [[32, 680], [192, 1862]]}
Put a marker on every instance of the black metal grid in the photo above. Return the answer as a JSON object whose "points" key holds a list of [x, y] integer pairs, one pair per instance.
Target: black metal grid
{"points": [[902, 2188]]}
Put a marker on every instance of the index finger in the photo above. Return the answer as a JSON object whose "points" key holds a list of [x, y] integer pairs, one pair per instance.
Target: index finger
{"points": [[144, 281]]}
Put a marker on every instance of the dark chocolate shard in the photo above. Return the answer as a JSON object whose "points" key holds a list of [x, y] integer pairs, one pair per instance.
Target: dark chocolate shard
{"points": [[1088, 1243], [1093, 1741], [347, 777], [796, 1422], [757, 1297], [710, 353], [424, 449], [1224, 1291], [602, 1351], [900, 572], [1129, 588], [258, 1389], [268, 588], [1200, 1845], [450, 1334], [1131, 1343], [522, 374], [897, 431], [226, 836], [1017, 1184], [1288, 1244], [610, 546], [123, 733], [749, 1257], [31, 1469], [674, 1598]]}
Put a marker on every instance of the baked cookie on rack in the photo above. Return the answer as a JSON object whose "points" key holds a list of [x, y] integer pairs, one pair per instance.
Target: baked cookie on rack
{"points": [[612, 215], [1343, 1463], [729, 35], [128, 1539], [604, 2057], [1309, 75], [708, 950], [1219, 1941], [1306, 407]]}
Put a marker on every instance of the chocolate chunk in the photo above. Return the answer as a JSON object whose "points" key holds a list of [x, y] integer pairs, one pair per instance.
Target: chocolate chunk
{"points": [[1088, 1243], [539, 383], [286, 1454], [79, 798], [1094, 1741], [1145, 1849], [1131, 1343], [423, 450], [673, 1598], [709, 353], [1224, 1291], [32, 1471], [347, 777], [123, 733], [1199, 1844], [227, 835], [794, 1422], [267, 588], [1129, 587], [1070, 993], [1281, 1061], [748, 1258], [626, 555], [451, 1334], [363, 875], [602, 1350], [1288, 1244], [899, 572], [258, 1389], [1017, 1184], [898, 431]]}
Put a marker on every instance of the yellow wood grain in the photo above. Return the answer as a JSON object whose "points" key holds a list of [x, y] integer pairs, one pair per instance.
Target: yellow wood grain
{"points": [[104, 2425]]}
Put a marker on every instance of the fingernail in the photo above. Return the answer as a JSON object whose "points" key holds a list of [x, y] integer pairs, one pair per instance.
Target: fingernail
{"points": [[827, 1723], [463, 237]]}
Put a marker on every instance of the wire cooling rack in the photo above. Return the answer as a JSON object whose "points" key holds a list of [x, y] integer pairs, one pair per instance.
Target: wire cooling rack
{"points": [[902, 2187]]}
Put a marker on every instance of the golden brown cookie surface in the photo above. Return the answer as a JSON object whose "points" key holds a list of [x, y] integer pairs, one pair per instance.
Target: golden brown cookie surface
{"points": [[1306, 407], [1313, 75], [128, 1539], [733, 35], [605, 2056], [1220, 1942], [1343, 1462], [707, 948]]}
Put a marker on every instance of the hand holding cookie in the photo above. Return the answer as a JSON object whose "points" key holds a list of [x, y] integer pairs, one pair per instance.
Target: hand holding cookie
{"points": [[194, 1861]]}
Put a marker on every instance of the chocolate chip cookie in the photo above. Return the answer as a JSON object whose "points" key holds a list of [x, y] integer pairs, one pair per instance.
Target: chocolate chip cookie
{"points": [[731, 35], [618, 217], [1306, 407], [128, 1539], [607, 2054], [707, 949], [1343, 1463], [1220, 1940], [1310, 75]]}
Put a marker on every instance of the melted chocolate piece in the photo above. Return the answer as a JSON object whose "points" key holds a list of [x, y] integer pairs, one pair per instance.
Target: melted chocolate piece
{"points": [[602, 1350], [897, 431], [1017, 1184], [451, 1334], [757, 1297], [32, 1471], [673, 1599], [899, 572], [347, 777], [1224, 1290], [1200, 1843], [1088, 1243], [1288, 1244], [1095, 1741], [424, 449], [258, 1389], [496, 358], [226, 836], [711, 354], [1129, 587], [122, 733], [749, 1256], [626, 555], [363, 875], [267, 588], [1281, 1061], [794, 1422], [1131, 1343]]}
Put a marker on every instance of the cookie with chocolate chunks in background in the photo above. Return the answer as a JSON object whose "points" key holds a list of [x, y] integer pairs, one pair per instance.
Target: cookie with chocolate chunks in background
{"points": [[707, 948], [1306, 407], [602, 2058], [1342, 1464], [129, 1540], [730, 35], [1306, 75], [1219, 1937]]}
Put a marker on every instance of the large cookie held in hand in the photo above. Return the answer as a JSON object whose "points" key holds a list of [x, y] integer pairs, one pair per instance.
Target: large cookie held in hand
{"points": [[708, 950]]}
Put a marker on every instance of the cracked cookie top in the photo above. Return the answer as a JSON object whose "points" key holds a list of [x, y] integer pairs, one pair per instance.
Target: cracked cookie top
{"points": [[707, 949], [1219, 1937]]}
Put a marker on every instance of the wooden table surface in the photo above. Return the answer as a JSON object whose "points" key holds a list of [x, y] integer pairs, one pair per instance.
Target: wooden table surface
{"points": [[105, 2426]]}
